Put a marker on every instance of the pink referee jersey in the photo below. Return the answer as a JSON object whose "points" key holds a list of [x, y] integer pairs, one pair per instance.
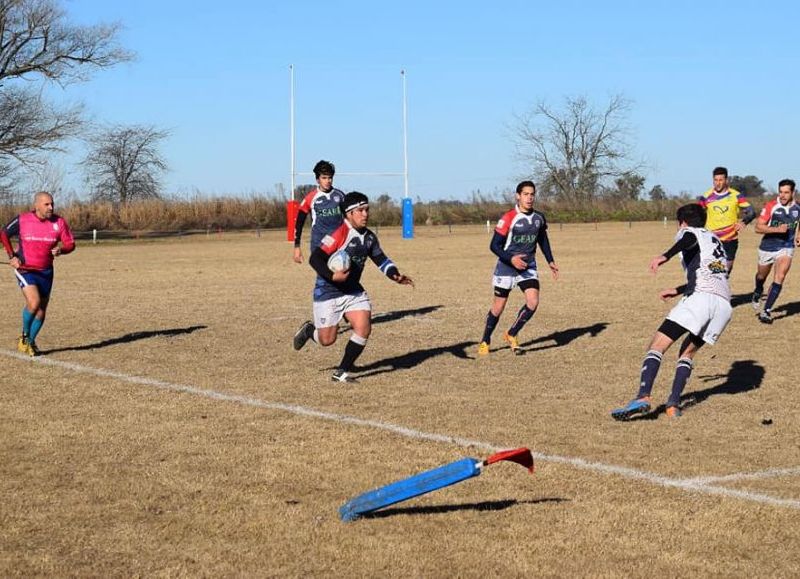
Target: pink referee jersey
{"points": [[37, 237]]}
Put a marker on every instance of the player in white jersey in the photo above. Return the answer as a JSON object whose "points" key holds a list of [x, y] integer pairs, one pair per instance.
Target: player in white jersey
{"points": [[703, 312]]}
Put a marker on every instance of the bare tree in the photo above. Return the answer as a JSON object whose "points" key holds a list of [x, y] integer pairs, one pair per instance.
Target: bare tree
{"points": [[39, 46], [124, 163], [573, 151]]}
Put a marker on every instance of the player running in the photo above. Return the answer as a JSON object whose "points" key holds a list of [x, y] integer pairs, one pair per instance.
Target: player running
{"points": [[728, 213], [778, 223], [703, 312], [323, 205], [514, 243], [340, 294], [43, 235]]}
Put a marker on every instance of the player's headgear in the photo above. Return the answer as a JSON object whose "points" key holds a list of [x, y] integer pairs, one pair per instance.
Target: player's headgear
{"points": [[324, 168], [353, 200]]}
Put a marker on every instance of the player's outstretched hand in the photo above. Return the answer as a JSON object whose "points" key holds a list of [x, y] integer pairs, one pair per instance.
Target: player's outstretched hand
{"points": [[554, 269], [403, 279], [667, 294], [655, 262], [297, 255], [340, 276], [518, 261]]}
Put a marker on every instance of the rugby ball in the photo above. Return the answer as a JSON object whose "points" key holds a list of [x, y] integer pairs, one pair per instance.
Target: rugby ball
{"points": [[339, 261]]}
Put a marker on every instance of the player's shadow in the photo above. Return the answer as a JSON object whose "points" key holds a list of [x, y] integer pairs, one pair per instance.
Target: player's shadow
{"points": [[127, 338], [442, 509], [786, 310], [393, 316], [563, 337], [743, 376], [412, 359]]}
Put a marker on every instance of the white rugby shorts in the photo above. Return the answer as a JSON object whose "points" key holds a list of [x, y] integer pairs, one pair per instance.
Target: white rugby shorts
{"points": [[705, 315], [330, 312], [511, 281], [770, 257]]}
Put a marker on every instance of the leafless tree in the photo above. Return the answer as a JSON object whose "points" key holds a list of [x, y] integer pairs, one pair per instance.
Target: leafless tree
{"points": [[574, 150], [39, 46], [124, 163]]}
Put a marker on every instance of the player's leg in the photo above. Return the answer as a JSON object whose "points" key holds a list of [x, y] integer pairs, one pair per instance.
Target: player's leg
{"points": [[782, 265], [361, 322], [36, 325], [665, 336], [502, 289], [530, 289], [762, 272], [731, 247], [33, 300], [325, 327], [683, 371]]}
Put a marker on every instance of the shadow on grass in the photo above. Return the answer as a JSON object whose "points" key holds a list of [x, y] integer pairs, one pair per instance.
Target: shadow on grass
{"points": [[441, 509], [412, 359], [393, 316], [127, 338], [743, 376], [786, 310], [563, 337]]}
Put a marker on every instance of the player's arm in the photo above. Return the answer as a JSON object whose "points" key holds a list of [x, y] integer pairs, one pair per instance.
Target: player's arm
{"points": [[497, 247], [67, 240], [686, 242], [9, 231], [319, 257], [299, 221], [389, 269], [672, 292], [544, 243], [746, 211], [762, 224]]}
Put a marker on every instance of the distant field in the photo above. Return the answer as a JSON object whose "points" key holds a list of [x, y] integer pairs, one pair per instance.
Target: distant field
{"points": [[170, 429]]}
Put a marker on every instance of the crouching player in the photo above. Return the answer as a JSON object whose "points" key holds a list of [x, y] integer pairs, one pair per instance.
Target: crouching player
{"points": [[514, 243], [43, 235], [778, 223], [340, 294], [704, 311]]}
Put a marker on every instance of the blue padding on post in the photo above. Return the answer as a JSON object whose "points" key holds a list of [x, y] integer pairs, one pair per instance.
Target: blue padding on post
{"points": [[408, 219]]}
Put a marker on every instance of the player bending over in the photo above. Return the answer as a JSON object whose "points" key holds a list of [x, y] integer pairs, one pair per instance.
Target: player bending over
{"points": [[338, 294], [704, 310], [778, 223], [514, 243], [43, 235]]}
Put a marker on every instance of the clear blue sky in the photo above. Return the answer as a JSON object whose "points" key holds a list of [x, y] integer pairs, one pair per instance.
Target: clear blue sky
{"points": [[711, 83]]}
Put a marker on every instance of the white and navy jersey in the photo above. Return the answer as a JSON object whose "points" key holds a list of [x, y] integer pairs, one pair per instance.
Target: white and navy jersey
{"points": [[519, 233], [326, 215], [360, 246], [775, 214], [704, 260]]}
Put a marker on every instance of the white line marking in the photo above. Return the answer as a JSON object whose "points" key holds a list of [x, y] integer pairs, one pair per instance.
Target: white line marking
{"points": [[737, 476], [697, 485]]}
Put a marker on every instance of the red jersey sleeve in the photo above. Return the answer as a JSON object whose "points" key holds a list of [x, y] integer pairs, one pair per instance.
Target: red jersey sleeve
{"points": [[308, 201], [504, 223], [766, 212], [5, 235], [335, 240], [65, 237]]}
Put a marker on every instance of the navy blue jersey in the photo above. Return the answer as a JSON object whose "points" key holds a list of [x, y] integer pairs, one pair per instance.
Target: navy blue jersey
{"points": [[360, 246], [326, 215], [522, 233], [775, 214]]}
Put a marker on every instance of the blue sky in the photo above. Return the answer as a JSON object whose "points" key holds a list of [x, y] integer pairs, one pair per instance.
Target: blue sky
{"points": [[711, 83]]}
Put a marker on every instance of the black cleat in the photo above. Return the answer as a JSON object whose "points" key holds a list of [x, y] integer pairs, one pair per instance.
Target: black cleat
{"points": [[765, 317], [303, 335]]}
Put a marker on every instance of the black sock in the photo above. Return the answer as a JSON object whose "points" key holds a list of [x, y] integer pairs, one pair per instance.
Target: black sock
{"points": [[491, 324], [650, 366], [523, 315], [759, 286], [774, 292], [682, 374], [355, 345]]}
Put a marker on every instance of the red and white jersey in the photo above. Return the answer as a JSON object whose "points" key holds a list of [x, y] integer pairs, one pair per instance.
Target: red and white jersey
{"points": [[37, 238]]}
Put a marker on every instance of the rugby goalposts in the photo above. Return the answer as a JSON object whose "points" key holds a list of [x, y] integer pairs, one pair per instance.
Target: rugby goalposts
{"points": [[292, 204]]}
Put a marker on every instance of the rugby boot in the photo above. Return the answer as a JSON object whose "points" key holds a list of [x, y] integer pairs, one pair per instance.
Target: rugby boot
{"points": [[483, 349], [756, 301], [635, 407], [765, 317], [22, 344], [513, 343], [674, 412], [303, 335], [340, 375], [32, 350]]}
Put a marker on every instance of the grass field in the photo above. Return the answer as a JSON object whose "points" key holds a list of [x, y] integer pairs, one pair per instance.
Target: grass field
{"points": [[171, 430]]}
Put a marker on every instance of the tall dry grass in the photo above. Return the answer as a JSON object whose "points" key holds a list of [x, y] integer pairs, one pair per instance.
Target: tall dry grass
{"points": [[173, 215]]}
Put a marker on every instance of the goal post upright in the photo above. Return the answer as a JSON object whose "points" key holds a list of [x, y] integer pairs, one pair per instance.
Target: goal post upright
{"points": [[292, 205]]}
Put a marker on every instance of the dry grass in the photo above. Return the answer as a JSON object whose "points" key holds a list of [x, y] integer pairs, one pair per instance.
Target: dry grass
{"points": [[100, 476]]}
